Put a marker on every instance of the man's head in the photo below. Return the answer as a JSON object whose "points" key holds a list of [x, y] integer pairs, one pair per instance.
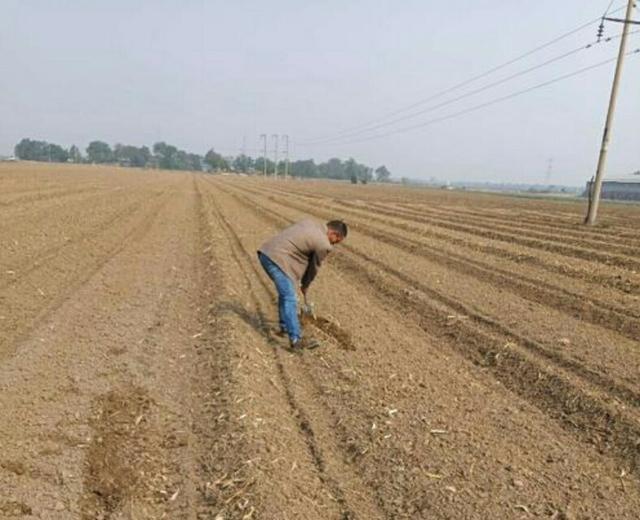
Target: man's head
{"points": [[336, 231]]}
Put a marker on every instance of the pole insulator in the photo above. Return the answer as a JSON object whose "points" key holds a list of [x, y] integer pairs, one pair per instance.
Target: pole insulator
{"points": [[601, 30]]}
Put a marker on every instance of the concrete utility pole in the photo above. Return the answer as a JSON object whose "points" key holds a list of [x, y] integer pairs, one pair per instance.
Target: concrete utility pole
{"points": [[275, 156], [286, 155], [264, 154], [596, 186]]}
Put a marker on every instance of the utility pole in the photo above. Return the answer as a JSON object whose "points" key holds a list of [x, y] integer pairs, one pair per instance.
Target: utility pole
{"points": [[286, 155], [264, 154], [275, 156], [596, 185]]}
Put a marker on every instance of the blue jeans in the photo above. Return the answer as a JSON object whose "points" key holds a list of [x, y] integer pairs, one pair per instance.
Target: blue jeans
{"points": [[287, 301]]}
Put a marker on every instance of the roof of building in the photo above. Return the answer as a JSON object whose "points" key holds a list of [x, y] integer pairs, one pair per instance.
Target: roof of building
{"points": [[633, 178]]}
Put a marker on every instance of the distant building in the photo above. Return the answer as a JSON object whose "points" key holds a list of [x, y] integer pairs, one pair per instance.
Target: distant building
{"points": [[621, 188]]}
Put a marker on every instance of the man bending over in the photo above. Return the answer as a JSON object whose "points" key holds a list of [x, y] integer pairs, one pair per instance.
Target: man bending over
{"points": [[291, 259]]}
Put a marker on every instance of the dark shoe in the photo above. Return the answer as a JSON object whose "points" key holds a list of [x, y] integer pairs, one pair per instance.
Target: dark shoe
{"points": [[305, 344], [296, 348], [281, 333]]}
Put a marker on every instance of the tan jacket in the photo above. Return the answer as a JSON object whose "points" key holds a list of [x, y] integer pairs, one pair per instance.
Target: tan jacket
{"points": [[299, 250]]}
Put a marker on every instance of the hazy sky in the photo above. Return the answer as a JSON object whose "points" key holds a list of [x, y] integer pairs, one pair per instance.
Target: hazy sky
{"points": [[202, 73]]}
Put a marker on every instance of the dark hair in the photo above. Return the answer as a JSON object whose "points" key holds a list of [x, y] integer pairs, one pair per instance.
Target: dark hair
{"points": [[339, 227]]}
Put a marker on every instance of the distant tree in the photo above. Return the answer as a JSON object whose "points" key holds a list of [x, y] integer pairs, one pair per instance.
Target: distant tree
{"points": [[336, 169], [30, 150], [195, 162], [250, 163], [215, 160], [74, 154], [180, 160], [282, 165], [351, 170], [365, 174], [322, 170], [242, 163], [99, 152], [259, 164], [306, 168], [127, 155], [169, 157], [382, 174], [143, 156], [166, 155], [55, 153]]}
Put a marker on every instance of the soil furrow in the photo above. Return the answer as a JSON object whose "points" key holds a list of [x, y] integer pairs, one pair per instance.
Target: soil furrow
{"points": [[41, 309], [56, 206], [362, 276], [624, 281], [576, 231], [21, 268], [98, 387], [625, 246], [576, 364], [573, 222], [620, 319], [580, 410], [549, 236], [56, 195], [244, 261]]}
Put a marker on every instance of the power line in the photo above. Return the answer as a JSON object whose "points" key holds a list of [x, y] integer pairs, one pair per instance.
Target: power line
{"points": [[467, 94], [488, 103], [609, 7], [463, 83]]}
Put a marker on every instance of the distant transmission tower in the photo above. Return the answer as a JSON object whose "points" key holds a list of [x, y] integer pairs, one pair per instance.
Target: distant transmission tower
{"points": [[264, 154], [286, 155], [275, 156], [547, 177], [243, 153]]}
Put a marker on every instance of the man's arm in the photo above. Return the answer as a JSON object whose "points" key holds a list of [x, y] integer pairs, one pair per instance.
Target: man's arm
{"points": [[315, 261], [311, 271]]}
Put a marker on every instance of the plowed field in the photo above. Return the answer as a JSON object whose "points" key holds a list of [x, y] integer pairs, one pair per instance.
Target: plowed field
{"points": [[480, 353]]}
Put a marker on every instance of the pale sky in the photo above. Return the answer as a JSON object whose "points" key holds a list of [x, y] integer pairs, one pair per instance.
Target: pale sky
{"points": [[201, 74]]}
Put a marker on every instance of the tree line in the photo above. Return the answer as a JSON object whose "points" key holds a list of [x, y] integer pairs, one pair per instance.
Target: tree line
{"points": [[162, 155], [168, 157], [334, 168]]}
